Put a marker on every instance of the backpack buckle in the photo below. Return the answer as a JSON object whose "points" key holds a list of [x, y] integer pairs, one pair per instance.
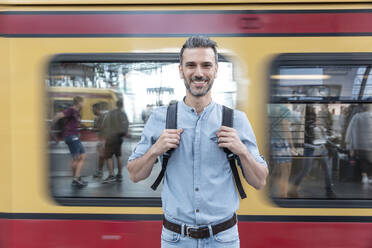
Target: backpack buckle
{"points": [[230, 156]]}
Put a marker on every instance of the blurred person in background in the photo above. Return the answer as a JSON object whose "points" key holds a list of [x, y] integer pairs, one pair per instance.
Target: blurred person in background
{"points": [[359, 142], [314, 146], [115, 127], [282, 147], [71, 118], [100, 110]]}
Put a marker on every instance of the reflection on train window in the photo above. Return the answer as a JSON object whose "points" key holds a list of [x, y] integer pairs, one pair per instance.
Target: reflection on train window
{"points": [[143, 82], [320, 116], [60, 105]]}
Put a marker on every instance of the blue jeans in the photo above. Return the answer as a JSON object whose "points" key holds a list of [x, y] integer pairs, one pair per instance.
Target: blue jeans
{"points": [[225, 239]]}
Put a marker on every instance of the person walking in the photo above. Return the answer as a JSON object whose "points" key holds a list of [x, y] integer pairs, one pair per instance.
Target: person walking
{"points": [[100, 110], [115, 127], [71, 118], [359, 142]]}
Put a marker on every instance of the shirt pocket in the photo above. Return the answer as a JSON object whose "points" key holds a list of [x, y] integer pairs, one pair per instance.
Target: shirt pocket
{"points": [[214, 153], [214, 138], [169, 236], [229, 236]]}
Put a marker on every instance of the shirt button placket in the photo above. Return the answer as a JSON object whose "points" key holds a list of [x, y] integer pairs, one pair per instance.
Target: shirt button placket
{"points": [[197, 167]]}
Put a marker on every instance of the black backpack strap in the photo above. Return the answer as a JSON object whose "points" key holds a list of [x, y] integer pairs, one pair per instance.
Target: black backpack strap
{"points": [[228, 120], [170, 123]]}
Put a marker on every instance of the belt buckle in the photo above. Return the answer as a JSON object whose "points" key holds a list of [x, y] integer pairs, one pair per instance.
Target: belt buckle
{"points": [[188, 231]]}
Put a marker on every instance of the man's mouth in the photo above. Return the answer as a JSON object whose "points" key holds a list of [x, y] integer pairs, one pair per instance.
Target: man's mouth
{"points": [[199, 82]]}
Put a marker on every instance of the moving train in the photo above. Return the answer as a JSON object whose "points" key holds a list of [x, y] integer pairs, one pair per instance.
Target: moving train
{"points": [[282, 61]]}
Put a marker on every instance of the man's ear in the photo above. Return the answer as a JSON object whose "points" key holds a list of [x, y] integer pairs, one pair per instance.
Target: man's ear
{"points": [[180, 71]]}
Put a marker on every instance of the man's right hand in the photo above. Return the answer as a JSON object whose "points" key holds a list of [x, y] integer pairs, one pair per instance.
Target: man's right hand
{"points": [[169, 139]]}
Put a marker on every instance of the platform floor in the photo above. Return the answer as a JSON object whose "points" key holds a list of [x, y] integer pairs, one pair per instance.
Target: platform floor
{"points": [[60, 179]]}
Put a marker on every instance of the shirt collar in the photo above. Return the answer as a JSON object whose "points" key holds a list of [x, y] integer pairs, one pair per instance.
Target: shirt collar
{"points": [[187, 108]]}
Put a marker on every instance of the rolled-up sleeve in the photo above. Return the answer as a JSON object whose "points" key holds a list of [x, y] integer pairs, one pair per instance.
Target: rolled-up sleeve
{"points": [[151, 132], [246, 135]]}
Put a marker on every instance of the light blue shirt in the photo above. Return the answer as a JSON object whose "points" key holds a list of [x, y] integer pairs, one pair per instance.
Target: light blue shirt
{"points": [[199, 187]]}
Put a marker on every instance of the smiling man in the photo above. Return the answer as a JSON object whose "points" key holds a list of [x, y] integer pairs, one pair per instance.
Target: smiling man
{"points": [[199, 70], [199, 198]]}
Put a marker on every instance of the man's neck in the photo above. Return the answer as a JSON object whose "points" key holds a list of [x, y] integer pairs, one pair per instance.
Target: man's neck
{"points": [[198, 103]]}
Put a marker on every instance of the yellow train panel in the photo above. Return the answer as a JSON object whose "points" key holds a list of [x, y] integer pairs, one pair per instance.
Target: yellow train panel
{"points": [[29, 63], [5, 126], [30, 58]]}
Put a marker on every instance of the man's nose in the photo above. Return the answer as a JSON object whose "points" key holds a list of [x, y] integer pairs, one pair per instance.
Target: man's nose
{"points": [[198, 71]]}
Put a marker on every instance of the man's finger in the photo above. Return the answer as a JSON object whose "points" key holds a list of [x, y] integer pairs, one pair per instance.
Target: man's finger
{"points": [[173, 141], [225, 140], [175, 131], [225, 128], [225, 134], [173, 136]]}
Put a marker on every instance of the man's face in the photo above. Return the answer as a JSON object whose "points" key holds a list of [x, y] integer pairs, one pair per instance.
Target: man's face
{"points": [[198, 70], [80, 105]]}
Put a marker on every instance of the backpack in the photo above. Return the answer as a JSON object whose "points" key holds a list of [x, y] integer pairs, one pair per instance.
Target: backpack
{"points": [[115, 124], [227, 120], [58, 128]]}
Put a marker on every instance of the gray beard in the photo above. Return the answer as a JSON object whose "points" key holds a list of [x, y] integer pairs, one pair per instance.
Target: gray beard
{"points": [[197, 94]]}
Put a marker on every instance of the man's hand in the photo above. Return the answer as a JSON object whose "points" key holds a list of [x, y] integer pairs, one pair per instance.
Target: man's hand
{"points": [[255, 173], [228, 138], [58, 116], [169, 139]]}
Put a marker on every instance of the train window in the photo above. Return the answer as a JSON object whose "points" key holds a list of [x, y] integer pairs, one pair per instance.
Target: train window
{"points": [[142, 82], [320, 117]]}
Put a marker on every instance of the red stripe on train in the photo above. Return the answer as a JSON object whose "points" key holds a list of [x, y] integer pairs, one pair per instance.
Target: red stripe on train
{"points": [[115, 234], [185, 23]]}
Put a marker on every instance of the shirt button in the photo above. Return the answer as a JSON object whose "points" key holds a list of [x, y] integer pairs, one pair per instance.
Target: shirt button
{"points": [[192, 110], [196, 189], [197, 210]]}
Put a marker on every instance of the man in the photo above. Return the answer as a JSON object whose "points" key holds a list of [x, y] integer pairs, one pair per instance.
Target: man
{"points": [[100, 110], [359, 142], [71, 136], [282, 147], [314, 146], [115, 127], [199, 191], [325, 119]]}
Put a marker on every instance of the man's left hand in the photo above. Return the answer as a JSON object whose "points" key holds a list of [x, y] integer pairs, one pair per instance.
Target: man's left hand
{"points": [[228, 138]]}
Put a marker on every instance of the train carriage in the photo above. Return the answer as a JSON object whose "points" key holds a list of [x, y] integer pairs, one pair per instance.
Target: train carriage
{"points": [[281, 62]]}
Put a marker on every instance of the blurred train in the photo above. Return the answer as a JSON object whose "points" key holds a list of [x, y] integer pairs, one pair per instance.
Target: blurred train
{"points": [[61, 97], [291, 56]]}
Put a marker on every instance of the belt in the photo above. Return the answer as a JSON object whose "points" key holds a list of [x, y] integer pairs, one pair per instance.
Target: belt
{"points": [[199, 233]]}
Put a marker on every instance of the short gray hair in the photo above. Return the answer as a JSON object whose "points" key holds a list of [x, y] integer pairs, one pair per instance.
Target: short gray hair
{"points": [[199, 42]]}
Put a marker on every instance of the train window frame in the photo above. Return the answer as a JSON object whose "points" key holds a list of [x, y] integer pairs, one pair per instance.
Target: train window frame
{"points": [[111, 58], [315, 59]]}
